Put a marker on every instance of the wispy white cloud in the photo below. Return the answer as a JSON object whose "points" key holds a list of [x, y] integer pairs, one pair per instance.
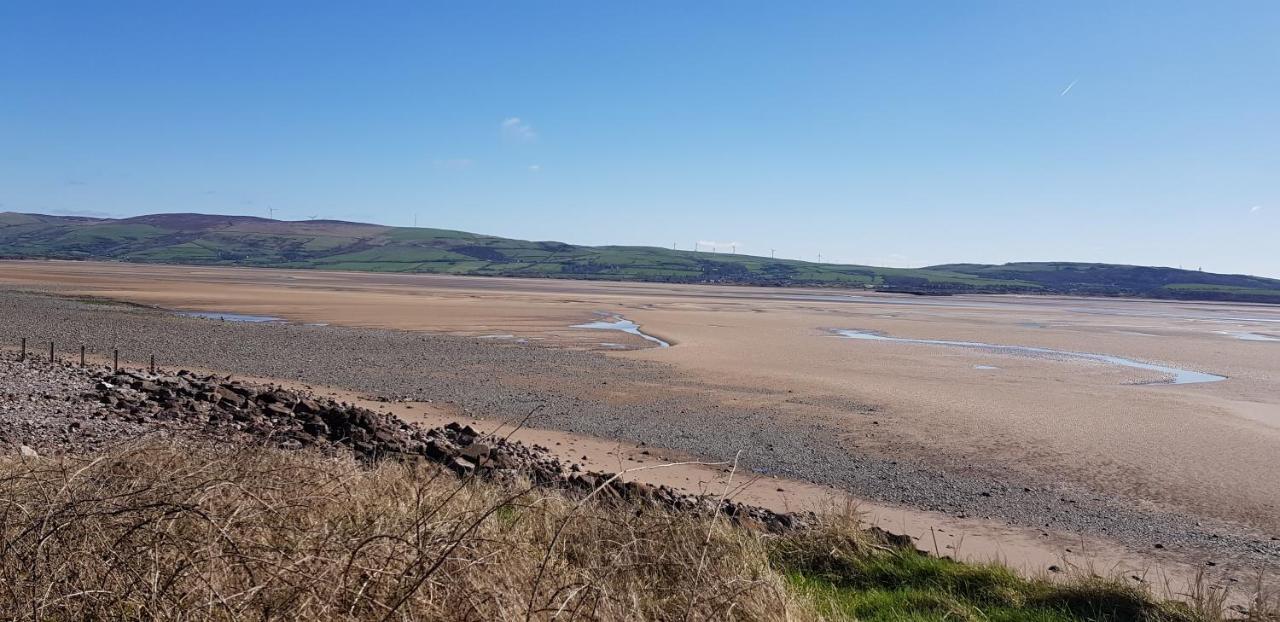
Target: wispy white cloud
{"points": [[454, 164], [1255, 209], [1068, 89], [534, 168], [515, 129]]}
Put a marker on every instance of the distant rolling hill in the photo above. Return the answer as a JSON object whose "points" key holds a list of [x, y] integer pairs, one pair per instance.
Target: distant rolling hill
{"points": [[203, 239]]}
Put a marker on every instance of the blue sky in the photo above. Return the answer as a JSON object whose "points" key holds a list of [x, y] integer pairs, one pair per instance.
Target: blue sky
{"points": [[883, 133]]}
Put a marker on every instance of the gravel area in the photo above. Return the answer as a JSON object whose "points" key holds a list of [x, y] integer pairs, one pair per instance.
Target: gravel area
{"points": [[41, 407], [591, 393]]}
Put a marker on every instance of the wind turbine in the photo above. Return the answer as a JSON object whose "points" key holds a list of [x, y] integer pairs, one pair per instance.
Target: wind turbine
{"points": [[271, 212]]}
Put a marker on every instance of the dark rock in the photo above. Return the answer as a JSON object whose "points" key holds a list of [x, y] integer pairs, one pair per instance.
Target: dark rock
{"points": [[229, 397], [316, 426], [476, 452], [440, 450], [462, 466]]}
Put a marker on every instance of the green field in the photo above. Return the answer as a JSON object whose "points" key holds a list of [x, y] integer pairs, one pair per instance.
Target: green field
{"points": [[247, 241]]}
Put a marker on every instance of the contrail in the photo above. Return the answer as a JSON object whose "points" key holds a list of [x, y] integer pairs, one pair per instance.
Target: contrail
{"points": [[1068, 89]]}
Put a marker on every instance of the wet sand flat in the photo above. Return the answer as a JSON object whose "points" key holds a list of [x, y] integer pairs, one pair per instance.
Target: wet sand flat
{"points": [[1207, 449]]}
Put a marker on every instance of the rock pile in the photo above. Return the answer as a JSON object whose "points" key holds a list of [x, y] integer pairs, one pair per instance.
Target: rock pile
{"points": [[236, 411], [265, 413]]}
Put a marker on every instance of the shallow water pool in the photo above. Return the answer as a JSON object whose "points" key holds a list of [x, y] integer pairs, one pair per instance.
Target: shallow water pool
{"points": [[624, 325], [1176, 375], [1247, 336], [230, 317]]}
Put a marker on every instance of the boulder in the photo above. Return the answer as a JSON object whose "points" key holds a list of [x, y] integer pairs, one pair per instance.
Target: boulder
{"points": [[284, 397], [316, 427], [228, 396], [439, 449], [462, 466], [384, 436], [477, 452], [244, 390]]}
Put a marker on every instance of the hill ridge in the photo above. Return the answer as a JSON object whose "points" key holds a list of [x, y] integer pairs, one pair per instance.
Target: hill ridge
{"points": [[211, 239]]}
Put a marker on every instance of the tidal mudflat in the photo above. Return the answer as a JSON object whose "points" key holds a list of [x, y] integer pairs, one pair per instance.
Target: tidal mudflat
{"points": [[758, 370], [1174, 375]]}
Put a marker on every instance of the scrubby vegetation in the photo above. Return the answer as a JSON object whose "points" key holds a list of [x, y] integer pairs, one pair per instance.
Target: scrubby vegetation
{"points": [[201, 532], [331, 245]]}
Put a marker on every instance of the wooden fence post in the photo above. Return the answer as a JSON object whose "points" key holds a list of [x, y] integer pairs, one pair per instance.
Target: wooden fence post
{"points": [[82, 355], [115, 360], [50, 351], [23, 357]]}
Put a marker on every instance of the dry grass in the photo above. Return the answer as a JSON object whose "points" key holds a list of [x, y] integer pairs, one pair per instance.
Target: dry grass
{"points": [[194, 532]]}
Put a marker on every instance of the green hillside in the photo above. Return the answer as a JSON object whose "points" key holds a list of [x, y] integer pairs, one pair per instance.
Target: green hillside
{"points": [[333, 245]]}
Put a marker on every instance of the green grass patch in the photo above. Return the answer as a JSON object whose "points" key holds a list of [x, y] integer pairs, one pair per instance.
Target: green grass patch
{"points": [[393, 254], [909, 604], [108, 236], [409, 234], [847, 574]]}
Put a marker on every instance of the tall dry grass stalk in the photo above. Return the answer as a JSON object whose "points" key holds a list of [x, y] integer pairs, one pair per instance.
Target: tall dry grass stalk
{"points": [[195, 532]]}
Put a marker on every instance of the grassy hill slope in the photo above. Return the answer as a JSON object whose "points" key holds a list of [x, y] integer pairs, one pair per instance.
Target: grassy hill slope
{"points": [[334, 245]]}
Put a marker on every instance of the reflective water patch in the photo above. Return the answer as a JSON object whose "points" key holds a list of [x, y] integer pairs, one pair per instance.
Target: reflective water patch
{"points": [[230, 317], [1177, 376], [624, 325]]}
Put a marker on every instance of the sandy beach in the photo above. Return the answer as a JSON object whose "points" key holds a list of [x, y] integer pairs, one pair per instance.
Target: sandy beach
{"points": [[1038, 426]]}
